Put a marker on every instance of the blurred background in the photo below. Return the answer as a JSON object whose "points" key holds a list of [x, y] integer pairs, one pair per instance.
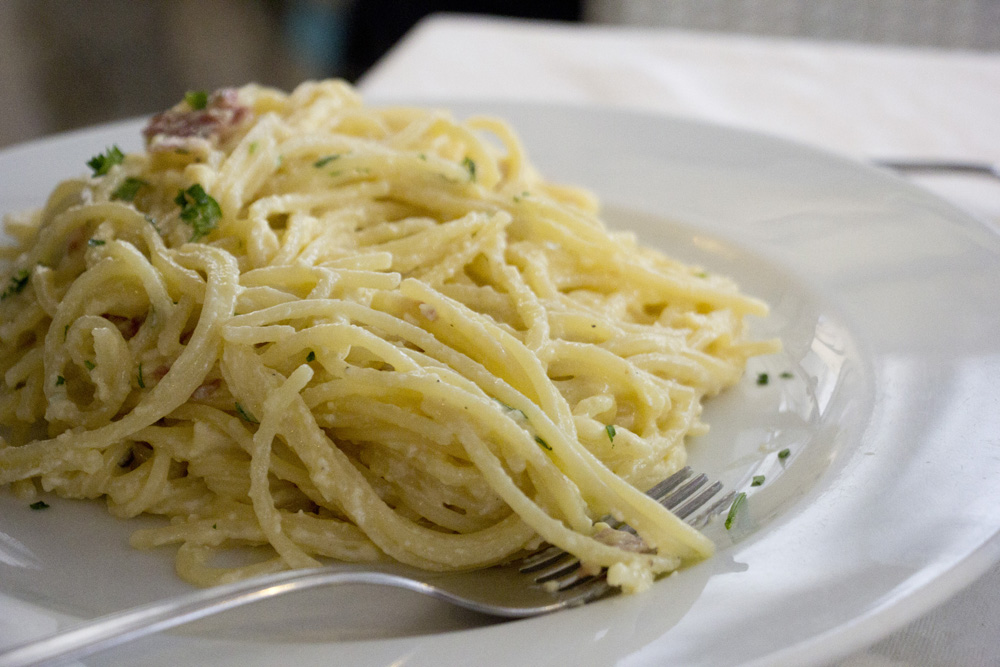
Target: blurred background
{"points": [[66, 64]]}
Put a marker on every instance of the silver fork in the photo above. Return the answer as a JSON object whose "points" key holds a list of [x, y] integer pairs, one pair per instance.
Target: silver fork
{"points": [[941, 166], [539, 583]]}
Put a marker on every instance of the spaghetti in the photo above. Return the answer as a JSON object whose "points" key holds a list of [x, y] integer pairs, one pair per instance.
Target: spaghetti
{"points": [[350, 333]]}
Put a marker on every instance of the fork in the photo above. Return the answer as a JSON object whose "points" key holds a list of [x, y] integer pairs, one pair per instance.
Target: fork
{"points": [[937, 166], [539, 583]]}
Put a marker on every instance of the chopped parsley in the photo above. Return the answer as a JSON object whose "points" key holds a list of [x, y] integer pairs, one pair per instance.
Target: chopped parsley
{"points": [[323, 161], [311, 356], [93, 243], [89, 364], [470, 166], [783, 454], [142, 383], [543, 444], [738, 502], [246, 415], [199, 210], [762, 379], [128, 189], [701, 274], [60, 380], [757, 480], [40, 505], [102, 163], [787, 375], [510, 408], [17, 283], [196, 99], [610, 430]]}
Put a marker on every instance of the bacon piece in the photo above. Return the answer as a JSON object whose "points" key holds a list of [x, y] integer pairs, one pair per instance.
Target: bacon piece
{"points": [[623, 540], [206, 390], [428, 311], [183, 128], [128, 326], [75, 240]]}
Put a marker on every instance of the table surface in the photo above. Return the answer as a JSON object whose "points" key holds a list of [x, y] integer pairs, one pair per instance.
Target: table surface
{"points": [[867, 102]]}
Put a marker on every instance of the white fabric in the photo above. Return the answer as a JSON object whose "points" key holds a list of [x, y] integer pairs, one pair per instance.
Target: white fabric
{"points": [[865, 101]]}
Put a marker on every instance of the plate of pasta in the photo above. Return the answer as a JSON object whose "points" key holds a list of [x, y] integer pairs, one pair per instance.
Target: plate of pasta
{"points": [[265, 330]]}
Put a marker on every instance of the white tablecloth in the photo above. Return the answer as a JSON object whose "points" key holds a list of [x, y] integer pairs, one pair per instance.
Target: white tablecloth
{"points": [[864, 101]]}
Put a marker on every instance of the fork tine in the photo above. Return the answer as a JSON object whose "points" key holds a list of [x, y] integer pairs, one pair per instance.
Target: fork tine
{"points": [[671, 490], [683, 493], [561, 568], [584, 590], [539, 559], [664, 488], [717, 507], [690, 506], [555, 569]]}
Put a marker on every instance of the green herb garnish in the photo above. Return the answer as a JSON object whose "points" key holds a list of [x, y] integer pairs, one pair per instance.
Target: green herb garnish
{"points": [[762, 378], [142, 383], [783, 454], [89, 364], [510, 408], [102, 163], [60, 380], [311, 356], [18, 282], [40, 505], [323, 161], [787, 375], [128, 189], [738, 502], [757, 480], [543, 444], [93, 243], [470, 166], [246, 415], [196, 99], [199, 210], [610, 430]]}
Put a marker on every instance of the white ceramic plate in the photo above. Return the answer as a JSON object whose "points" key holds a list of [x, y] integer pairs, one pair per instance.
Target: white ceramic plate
{"points": [[886, 300]]}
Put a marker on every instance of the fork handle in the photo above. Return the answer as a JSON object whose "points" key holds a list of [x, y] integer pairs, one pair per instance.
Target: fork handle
{"points": [[941, 166], [108, 631]]}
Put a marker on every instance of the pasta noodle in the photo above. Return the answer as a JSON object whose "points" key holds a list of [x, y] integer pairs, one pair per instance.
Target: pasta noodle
{"points": [[343, 332]]}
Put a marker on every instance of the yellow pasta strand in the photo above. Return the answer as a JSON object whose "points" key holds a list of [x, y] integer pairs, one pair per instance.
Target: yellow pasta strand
{"points": [[341, 332]]}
